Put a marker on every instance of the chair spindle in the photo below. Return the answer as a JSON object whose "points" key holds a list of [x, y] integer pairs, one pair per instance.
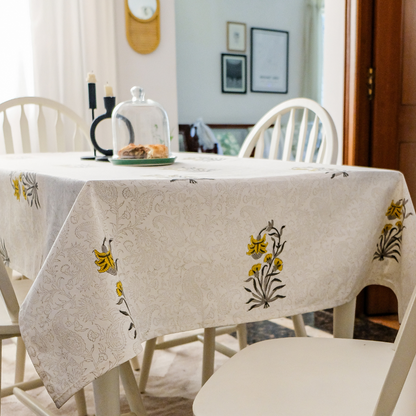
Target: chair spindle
{"points": [[322, 148], [290, 129], [43, 139], [258, 154], [302, 136], [7, 132], [274, 145], [24, 131], [312, 141]]}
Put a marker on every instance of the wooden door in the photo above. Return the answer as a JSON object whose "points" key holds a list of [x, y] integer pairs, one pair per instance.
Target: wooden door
{"points": [[381, 131], [407, 106]]}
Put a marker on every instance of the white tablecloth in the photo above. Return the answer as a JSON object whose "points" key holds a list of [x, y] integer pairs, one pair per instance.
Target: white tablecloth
{"points": [[124, 254]]}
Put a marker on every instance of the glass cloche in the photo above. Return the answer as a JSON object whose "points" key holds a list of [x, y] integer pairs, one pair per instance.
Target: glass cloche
{"points": [[141, 131]]}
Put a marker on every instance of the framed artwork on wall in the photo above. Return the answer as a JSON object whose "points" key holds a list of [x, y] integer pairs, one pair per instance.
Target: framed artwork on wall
{"points": [[236, 37], [233, 73], [269, 60]]}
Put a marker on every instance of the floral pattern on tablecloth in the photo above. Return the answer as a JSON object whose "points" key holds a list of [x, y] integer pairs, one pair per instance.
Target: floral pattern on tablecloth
{"points": [[390, 241], [263, 277], [25, 185]]}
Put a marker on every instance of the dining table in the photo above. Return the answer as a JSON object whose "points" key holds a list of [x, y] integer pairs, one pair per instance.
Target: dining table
{"points": [[123, 254]]}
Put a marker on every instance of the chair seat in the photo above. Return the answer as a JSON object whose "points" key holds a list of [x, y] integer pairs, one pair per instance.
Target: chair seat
{"points": [[339, 377]]}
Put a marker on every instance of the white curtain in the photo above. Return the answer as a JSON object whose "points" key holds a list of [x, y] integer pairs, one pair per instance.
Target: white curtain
{"points": [[49, 46], [313, 49], [71, 38], [16, 72]]}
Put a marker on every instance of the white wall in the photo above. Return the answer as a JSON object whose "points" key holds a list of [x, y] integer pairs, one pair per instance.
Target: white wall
{"points": [[201, 38], [334, 59], [155, 72]]}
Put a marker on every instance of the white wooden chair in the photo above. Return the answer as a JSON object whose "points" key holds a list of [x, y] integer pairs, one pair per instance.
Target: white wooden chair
{"points": [[324, 151], [51, 138], [20, 288], [317, 376], [303, 148]]}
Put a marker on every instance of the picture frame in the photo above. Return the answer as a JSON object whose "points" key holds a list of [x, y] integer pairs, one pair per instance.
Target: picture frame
{"points": [[233, 73], [269, 61], [236, 37]]}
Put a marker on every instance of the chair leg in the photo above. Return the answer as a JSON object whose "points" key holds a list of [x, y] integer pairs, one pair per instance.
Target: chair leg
{"points": [[242, 335], [299, 326], [208, 354], [20, 361], [135, 363], [149, 349], [344, 318], [81, 403], [131, 389], [9, 272], [34, 405]]}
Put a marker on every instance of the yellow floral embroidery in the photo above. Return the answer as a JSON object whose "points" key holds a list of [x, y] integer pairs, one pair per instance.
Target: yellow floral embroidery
{"points": [[386, 228], [119, 289], [257, 246], [390, 240], [25, 184], [16, 187], [264, 283], [104, 261], [278, 264], [394, 210], [255, 269]]}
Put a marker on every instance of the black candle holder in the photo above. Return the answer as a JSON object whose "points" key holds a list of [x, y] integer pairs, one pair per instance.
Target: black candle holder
{"points": [[92, 101], [109, 104]]}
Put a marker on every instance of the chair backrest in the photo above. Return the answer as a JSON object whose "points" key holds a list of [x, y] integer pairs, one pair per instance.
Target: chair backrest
{"points": [[80, 127], [405, 352], [326, 148], [8, 293]]}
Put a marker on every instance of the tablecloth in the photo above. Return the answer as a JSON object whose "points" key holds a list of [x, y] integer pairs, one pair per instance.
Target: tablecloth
{"points": [[125, 254]]}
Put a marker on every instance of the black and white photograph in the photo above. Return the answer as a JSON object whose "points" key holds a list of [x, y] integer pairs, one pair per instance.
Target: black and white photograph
{"points": [[269, 60], [233, 74]]}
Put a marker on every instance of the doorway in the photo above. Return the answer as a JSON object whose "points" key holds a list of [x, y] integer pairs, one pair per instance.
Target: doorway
{"points": [[380, 99]]}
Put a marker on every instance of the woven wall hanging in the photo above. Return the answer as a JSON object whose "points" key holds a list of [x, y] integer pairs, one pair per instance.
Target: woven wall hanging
{"points": [[143, 35]]}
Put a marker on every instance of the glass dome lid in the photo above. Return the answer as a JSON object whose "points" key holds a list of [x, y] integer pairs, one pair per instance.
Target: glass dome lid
{"points": [[140, 129]]}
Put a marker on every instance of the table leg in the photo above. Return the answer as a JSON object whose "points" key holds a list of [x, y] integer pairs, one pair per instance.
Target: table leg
{"points": [[344, 317], [132, 390], [208, 354], [107, 394]]}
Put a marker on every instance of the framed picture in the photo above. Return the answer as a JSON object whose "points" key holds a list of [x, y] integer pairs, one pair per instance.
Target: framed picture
{"points": [[233, 73], [236, 36], [269, 60]]}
